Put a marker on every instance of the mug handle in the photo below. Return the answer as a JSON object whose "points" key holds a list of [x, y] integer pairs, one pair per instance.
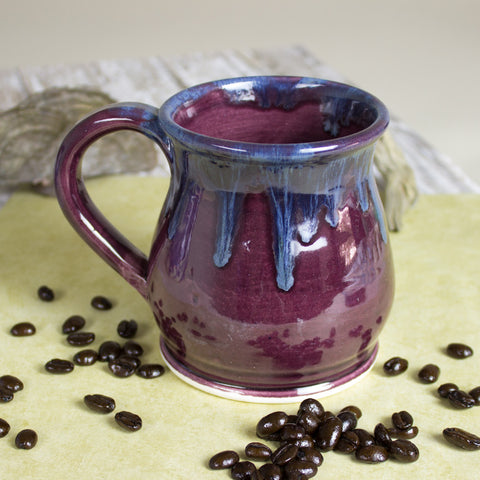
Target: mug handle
{"points": [[124, 257]]}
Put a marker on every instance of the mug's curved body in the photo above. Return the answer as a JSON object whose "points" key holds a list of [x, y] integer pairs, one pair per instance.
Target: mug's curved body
{"points": [[270, 274]]}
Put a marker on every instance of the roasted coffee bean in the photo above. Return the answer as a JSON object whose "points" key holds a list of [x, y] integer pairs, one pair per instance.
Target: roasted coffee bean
{"points": [[133, 349], [402, 420], [328, 434], [135, 361], [26, 439], [365, 439], [127, 328], [444, 389], [59, 366], [348, 442], [310, 454], [6, 395], [101, 303], [395, 366], [475, 394], [225, 459], [297, 468], [243, 471], [429, 373], [73, 323], [45, 293], [284, 454], [353, 409], [270, 471], [85, 358], [99, 403], [311, 405], [349, 420], [150, 370], [403, 451], [461, 399], [129, 421], [459, 350], [308, 421], [324, 416], [381, 435], [305, 442], [291, 432], [109, 350], [372, 454], [79, 339], [11, 383], [258, 451], [271, 424], [407, 434], [122, 367], [461, 438], [4, 428], [23, 329]]}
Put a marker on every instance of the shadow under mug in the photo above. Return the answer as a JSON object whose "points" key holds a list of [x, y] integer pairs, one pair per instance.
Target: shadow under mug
{"points": [[270, 273]]}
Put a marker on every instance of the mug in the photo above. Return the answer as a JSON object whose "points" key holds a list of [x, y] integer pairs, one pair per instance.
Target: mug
{"points": [[270, 272]]}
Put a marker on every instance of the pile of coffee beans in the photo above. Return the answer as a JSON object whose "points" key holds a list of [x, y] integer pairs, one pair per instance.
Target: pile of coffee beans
{"points": [[305, 437]]}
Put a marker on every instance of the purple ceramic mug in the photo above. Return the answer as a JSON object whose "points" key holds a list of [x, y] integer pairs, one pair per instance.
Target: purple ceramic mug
{"points": [[270, 273]]}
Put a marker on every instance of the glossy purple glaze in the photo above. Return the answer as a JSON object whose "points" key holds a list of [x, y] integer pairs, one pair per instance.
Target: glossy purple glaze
{"points": [[270, 268]]}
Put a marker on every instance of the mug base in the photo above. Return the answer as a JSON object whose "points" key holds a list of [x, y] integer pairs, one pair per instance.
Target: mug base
{"points": [[255, 395]]}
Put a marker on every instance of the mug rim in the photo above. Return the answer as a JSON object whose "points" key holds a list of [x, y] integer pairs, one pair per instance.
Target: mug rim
{"points": [[264, 152]]}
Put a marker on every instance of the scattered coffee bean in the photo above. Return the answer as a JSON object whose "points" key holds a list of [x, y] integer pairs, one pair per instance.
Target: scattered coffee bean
{"points": [[122, 367], [109, 350], [85, 358], [243, 471], [348, 442], [99, 403], [475, 394], [133, 349], [311, 405], [353, 409], [6, 395], [310, 454], [407, 434], [26, 439], [291, 432], [129, 421], [403, 451], [429, 373], [11, 383], [59, 366], [79, 339], [150, 370], [271, 424], [258, 451], [444, 389], [329, 433], [308, 421], [45, 293], [349, 420], [395, 366], [382, 436], [222, 460], [402, 420], [365, 439], [23, 329], [284, 454], [459, 350], [4, 428], [73, 324], [101, 303], [461, 438], [270, 471], [372, 454], [127, 328], [461, 399], [297, 468]]}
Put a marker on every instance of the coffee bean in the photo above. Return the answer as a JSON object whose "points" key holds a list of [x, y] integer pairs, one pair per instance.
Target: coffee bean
{"points": [[403, 451], [73, 324], [4, 428], [372, 454], [349, 420], [109, 350], [122, 367], [311, 405], [305, 442], [407, 434], [328, 434], [150, 370], [348, 442], [311, 455], [6, 395], [444, 389], [225, 459], [291, 432], [127, 328], [133, 349], [353, 409], [459, 350], [85, 358], [271, 424], [129, 421], [429, 373], [79, 339], [308, 421], [11, 383], [45, 293], [59, 366], [23, 329], [284, 454], [395, 366], [243, 471], [461, 399], [365, 439], [99, 403], [475, 394], [135, 361], [381, 435], [270, 471], [402, 420], [101, 303], [297, 468], [461, 438], [258, 451], [26, 439]]}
